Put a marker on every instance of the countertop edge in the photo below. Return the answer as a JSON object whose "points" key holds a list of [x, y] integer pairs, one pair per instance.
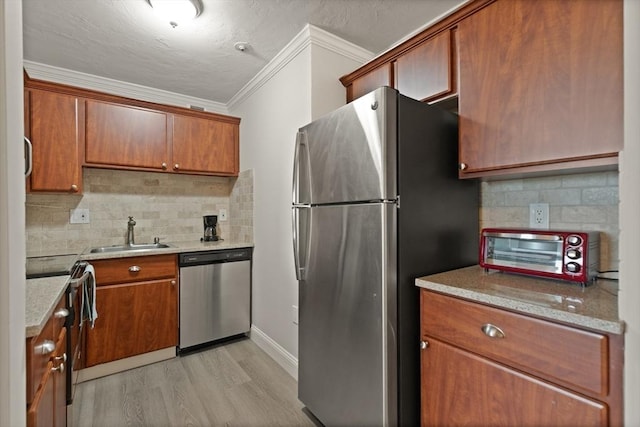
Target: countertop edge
{"points": [[175, 248], [552, 314]]}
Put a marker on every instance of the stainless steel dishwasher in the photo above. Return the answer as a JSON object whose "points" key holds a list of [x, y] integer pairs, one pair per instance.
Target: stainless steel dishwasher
{"points": [[215, 296]]}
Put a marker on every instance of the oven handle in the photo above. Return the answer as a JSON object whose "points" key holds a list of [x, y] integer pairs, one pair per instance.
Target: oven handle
{"points": [[76, 282]]}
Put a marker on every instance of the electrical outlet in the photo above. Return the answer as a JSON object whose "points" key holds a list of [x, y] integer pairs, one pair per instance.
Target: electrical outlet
{"points": [[79, 216], [222, 214], [294, 314], [539, 215]]}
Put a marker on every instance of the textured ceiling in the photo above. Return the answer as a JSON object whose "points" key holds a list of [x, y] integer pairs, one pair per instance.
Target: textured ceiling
{"points": [[124, 40]]}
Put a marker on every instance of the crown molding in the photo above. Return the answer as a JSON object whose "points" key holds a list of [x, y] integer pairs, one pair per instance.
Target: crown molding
{"points": [[50, 73], [310, 35]]}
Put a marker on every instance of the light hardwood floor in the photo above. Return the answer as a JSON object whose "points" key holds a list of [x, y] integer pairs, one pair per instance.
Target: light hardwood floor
{"points": [[234, 384]]}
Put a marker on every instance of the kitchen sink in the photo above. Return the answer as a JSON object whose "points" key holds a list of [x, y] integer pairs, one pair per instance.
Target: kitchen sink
{"points": [[129, 248]]}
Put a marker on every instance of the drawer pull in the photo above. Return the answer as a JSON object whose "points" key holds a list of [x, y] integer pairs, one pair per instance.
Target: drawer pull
{"points": [[424, 345], [59, 368], [134, 268], [63, 312], [492, 331], [46, 347], [63, 357]]}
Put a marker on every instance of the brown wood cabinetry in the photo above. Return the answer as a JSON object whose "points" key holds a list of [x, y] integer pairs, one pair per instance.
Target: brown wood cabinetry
{"points": [[381, 76], [540, 86], [201, 145], [54, 125], [72, 127], [46, 376], [122, 135], [482, 365], [137, 304], [428, 71]]}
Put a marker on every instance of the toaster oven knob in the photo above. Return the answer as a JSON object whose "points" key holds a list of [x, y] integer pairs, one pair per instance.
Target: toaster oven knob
{"points": [[574, 240], [574, 254], [573, 267]]}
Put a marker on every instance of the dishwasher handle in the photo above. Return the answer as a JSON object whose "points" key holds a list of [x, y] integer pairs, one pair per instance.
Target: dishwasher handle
{"points": [[214, 257]]}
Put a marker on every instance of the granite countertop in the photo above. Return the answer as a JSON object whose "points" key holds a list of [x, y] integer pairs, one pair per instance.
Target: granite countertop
{"points": [[42, 294], [41, 297], [175, 248], [593, 307]]}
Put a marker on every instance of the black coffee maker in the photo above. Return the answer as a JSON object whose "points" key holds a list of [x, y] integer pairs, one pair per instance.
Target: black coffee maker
{"points": [[210, 222]]}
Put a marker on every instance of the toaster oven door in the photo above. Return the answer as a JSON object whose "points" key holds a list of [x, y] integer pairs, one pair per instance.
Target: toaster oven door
{"points": [[524, 252]]}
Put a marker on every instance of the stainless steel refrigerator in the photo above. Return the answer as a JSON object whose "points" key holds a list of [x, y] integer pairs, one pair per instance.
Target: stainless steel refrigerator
{"points": [[376, 203]]}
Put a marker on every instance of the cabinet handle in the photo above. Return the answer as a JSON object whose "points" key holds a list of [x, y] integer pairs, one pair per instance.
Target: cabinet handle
{"points": [[134, 268], [173, 282], [424, 345], [74, 188], [492, 331], [63, 357], [176, 166], [59, 368], [59, 314], [463, 166], [46, 347], [164, 166]]}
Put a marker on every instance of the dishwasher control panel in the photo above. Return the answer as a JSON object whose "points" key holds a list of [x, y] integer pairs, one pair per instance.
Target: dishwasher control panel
{"points": [[208, 257]]}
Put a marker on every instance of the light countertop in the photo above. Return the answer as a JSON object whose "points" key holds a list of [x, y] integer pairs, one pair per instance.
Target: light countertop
{"points": [[41, 297], [593, 307], [42, 294]]}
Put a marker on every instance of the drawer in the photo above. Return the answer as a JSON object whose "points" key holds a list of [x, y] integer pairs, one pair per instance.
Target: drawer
{"points": [[562, 354], [41, 348], [135, 269]]}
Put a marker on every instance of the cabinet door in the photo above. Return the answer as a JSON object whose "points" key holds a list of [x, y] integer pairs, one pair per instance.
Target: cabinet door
{"points": [[540, 83], [426, 72], [59, 376], [461, 388], [204, 145], [381, 76], [40, 413], [124, 136], [133, 319], [57, 137]]}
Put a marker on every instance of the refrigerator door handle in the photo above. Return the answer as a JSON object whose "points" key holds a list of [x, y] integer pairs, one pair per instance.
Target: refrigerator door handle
{"points": [[28, 155], [301, 234], [301, 170]]}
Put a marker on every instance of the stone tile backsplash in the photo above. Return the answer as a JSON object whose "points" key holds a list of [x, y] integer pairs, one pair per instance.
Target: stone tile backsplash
{"points": [[169, 206], [584, 202]]}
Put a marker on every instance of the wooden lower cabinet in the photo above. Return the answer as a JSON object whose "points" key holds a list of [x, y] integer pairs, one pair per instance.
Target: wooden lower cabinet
{"points": [[483, 365], [46, 374], [461, 388], [137, 305]]}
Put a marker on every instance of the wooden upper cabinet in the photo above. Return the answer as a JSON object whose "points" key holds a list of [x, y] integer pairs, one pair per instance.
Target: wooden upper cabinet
{"points": [[126, 136], [203, 145], [427, 72], [54, 126], [540, 86], [381, 76]]}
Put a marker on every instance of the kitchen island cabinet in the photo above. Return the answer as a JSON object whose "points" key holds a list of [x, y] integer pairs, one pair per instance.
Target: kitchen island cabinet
{"points": [[54, 125], [499, 349], [540, 87], [137, 305]]}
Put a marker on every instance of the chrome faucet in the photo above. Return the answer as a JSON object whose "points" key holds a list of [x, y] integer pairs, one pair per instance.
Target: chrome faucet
{"points": [[130, 238]]}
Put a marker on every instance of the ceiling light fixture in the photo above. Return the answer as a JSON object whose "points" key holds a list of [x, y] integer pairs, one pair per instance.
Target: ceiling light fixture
{"points": [[177, 11]]}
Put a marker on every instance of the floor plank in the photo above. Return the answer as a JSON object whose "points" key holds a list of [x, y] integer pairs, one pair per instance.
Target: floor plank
{"points": [[232, 384]]}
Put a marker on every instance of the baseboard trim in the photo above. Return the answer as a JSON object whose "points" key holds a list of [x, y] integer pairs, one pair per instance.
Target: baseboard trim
{"points": [[275, 351], [116, 366]]}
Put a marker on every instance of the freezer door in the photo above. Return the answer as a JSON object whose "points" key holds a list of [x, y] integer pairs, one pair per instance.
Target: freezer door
{"points": [[350, 154], [343, 314]]}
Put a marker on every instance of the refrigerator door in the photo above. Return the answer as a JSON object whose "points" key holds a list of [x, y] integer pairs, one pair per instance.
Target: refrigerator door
{"points": [[349, 155], [342, 371]]}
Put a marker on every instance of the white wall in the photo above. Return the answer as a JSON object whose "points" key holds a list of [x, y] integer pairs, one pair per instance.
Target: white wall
{"points": [[304, 87], [12, 242], [629, 297]]}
